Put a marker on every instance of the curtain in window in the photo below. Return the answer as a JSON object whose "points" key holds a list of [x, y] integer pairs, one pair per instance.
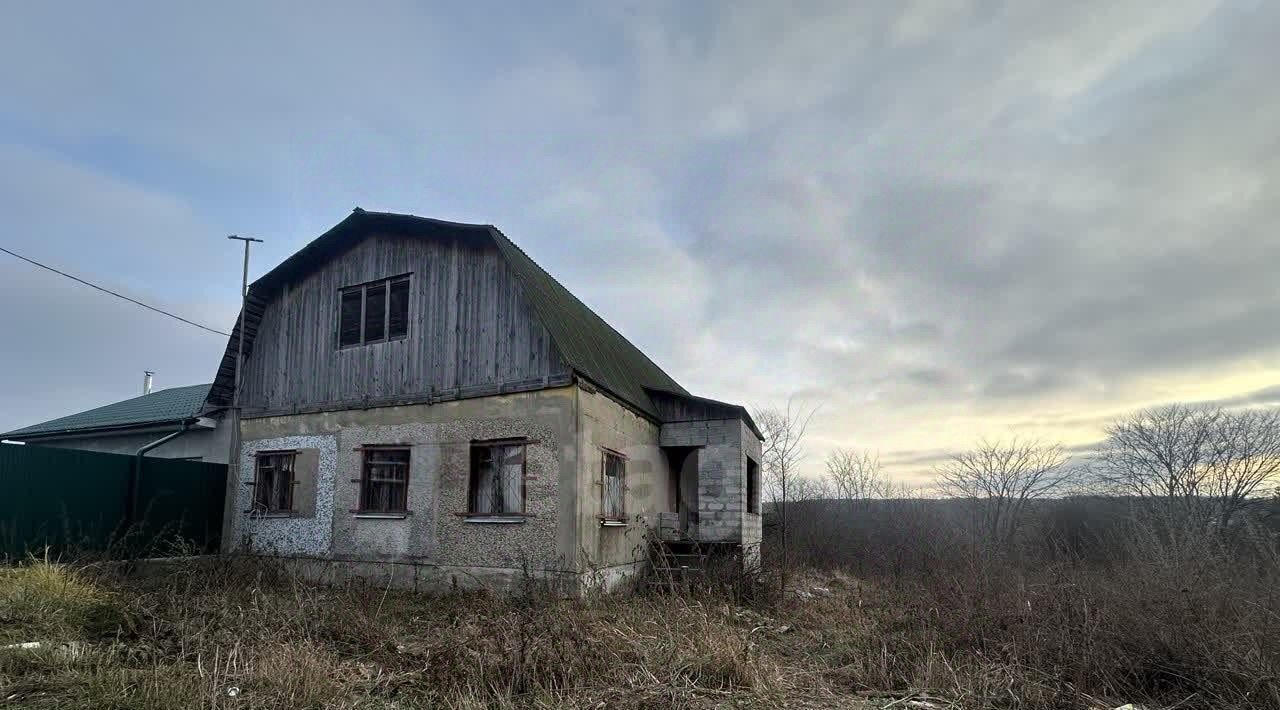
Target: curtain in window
{"points": [[614, 466], [512, 458], [498, 479], [273, 491], [484, 487], [386, 481]]}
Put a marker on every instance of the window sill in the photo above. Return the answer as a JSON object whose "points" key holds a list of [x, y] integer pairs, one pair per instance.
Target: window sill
{"points": [[495, 519], [379, 341], [258, 514], [381, 516]]}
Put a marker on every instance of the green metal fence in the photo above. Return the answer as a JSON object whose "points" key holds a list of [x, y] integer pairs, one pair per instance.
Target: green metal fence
{"points": [[76, 502]]}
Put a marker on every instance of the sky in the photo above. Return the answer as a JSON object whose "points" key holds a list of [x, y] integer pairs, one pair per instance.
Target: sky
{"points": [[934, 221]]}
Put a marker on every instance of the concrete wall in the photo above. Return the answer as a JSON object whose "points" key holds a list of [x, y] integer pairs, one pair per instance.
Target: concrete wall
{"points": [[434, 545], [612, 553], [208, 445]]}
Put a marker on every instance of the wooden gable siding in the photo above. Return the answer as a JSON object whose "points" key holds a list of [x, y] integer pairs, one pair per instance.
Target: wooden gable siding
{"points": [[470, 328], [679, 408]]}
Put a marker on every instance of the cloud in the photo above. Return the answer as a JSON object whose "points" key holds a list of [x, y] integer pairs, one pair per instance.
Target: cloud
{"points": [[939, 219], [68, 348]]}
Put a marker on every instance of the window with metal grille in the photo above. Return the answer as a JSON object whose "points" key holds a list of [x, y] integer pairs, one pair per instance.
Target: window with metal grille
{"points": [[613, 471], [497, 478], [273, 482], [384, 480], [373, 312]]}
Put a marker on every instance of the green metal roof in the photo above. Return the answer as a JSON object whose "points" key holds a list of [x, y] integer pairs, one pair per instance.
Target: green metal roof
{"points": [[590, 346], [171, 405]]}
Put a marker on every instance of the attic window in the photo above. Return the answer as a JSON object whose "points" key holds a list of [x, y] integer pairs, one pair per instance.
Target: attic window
{"points": [[374, 312]]}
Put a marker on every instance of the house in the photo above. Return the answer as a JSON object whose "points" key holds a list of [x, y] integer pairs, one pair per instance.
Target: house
{"points": [[420, 399], [133, 424]]}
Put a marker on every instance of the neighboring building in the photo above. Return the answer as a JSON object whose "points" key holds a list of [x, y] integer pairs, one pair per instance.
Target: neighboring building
{"points": [[125, 427], [420, 397]]}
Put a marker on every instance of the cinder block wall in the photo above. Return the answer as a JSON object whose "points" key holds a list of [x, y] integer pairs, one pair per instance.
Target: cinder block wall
{"points": [[752, 523], [722, 495]]}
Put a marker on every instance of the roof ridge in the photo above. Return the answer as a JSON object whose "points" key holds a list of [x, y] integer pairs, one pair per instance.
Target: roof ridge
{"points": [[433, 220]]}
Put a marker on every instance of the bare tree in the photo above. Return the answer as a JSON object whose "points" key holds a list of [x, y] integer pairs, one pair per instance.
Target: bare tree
{"points": [[782, 451], [1245, 460], [1000, 478], [1193, 466], [811, 488], [856, 476]]}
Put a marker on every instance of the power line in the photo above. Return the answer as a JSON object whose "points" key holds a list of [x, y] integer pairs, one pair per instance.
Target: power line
{"points": [[113, 293]]}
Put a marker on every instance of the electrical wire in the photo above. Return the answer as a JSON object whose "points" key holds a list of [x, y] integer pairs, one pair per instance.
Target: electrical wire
{"points": [[113, 293]]}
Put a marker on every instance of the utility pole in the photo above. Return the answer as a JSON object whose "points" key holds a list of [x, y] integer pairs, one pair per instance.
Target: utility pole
{"points": [[233, 461]]}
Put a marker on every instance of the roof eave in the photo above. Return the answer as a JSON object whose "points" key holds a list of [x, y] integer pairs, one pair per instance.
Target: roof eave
{"points": [[651, 415], [89, 431], [742, 411]]}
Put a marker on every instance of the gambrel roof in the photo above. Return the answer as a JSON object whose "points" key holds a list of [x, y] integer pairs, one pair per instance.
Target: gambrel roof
{"points": [[592, 348]]}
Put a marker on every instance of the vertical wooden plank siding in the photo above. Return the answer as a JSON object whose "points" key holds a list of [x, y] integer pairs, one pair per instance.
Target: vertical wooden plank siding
{"points": [[470, 325]]}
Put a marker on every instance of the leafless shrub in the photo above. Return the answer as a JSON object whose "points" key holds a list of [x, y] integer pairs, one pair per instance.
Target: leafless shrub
{"points": [[856, 476], [783, 449], [1000, 479], [1138, 619], [1193, 468], [1132, 596], [809, 488]]}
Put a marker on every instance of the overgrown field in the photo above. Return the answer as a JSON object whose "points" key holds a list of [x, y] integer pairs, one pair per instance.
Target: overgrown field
{"points": [[246, 635]]}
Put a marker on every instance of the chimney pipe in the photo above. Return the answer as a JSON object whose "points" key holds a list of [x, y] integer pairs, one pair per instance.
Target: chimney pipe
{"points": [[146, 381]]}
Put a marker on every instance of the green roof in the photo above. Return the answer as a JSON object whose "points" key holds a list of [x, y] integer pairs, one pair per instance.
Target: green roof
{"points": [[591, 347], [163, 406], [589, 344]]}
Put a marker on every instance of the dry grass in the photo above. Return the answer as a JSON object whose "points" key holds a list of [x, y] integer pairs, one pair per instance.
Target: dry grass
{"points": [[54, 601], [246, 635], [1147, 614]]}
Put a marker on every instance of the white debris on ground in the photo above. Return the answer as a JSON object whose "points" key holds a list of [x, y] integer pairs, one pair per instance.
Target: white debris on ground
{"points": [[892, 701], [817, 585], [71, 650]]}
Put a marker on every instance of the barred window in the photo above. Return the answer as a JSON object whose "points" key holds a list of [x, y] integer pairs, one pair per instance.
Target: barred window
{"points": [[613, 471], [384, 480], [273, 482], [497, 479]]}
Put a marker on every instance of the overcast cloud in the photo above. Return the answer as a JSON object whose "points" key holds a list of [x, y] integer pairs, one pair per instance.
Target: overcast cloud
{"points": [[939, 220]]}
